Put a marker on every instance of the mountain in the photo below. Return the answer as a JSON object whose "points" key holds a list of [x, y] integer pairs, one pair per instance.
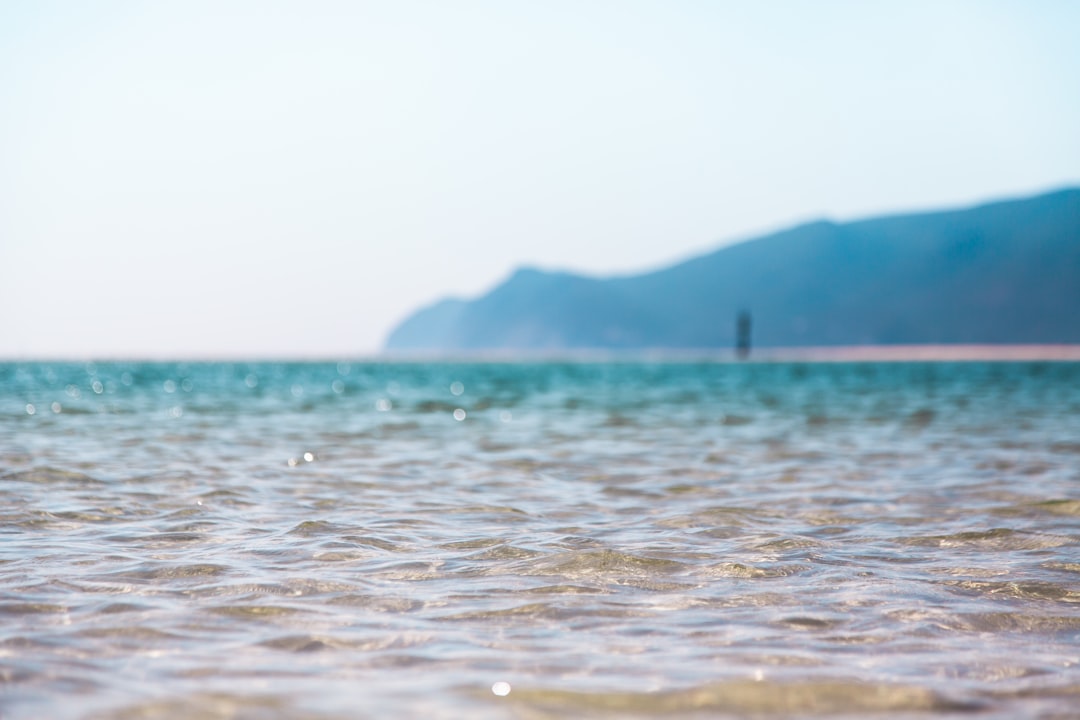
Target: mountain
{"points": [[1001, 273]]}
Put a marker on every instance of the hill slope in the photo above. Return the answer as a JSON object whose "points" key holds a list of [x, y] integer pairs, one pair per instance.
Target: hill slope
{"points": [[1006, 272]]}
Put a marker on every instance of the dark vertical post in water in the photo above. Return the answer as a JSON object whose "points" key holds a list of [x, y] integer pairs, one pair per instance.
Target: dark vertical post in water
{"points": [[742, 335]]}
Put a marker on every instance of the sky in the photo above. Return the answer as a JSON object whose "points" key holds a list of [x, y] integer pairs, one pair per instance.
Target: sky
{"points": [[256, 178]]}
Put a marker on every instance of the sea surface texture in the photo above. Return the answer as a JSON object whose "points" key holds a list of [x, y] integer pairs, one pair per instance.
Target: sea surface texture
{"points": [[550, 540]]}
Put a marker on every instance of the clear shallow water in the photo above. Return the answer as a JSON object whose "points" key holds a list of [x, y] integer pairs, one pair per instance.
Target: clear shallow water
{"points": [[611, 540]]}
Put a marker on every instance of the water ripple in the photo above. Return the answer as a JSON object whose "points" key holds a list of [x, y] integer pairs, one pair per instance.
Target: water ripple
{"points": [[594, 540]]}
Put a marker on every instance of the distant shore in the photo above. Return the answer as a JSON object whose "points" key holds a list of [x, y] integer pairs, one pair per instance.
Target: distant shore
{"points": [[918, 353], [837, 353]]}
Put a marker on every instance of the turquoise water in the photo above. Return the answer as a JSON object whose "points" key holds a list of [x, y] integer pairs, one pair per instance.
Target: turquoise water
{"points": [[515, 540]]}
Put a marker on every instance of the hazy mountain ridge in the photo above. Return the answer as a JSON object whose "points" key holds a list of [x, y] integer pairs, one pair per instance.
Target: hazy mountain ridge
{"points": [[1004, 272]]}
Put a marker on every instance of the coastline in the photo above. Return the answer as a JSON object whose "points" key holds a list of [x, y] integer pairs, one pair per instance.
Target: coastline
{"points": [[809, 354], [923, 353]]}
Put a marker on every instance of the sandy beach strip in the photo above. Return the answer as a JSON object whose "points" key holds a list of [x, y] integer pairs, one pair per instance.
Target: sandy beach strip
{"points": [[921, 353]]}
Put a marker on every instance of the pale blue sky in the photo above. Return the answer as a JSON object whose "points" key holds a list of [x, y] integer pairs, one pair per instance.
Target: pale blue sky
{"points": [[253, 178]]}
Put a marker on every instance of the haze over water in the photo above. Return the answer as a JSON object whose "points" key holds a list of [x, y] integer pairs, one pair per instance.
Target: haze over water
{"points": [[321, 540]]}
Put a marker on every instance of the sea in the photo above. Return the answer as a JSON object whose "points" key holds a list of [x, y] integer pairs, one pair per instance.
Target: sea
{"points": [[626, 538]]}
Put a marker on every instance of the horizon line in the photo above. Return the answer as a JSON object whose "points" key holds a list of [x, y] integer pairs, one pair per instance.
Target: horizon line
{"points": [[930, 352]]}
